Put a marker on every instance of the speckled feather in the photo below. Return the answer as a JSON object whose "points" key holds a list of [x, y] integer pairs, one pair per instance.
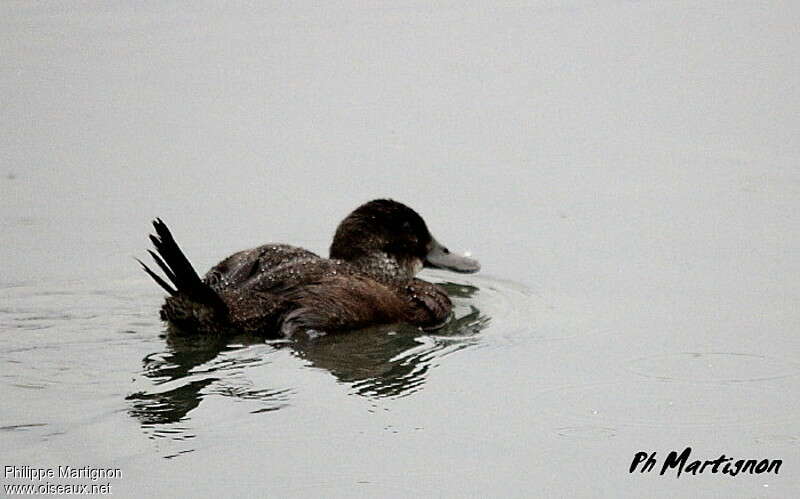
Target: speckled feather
{"points": [[292, 289]]}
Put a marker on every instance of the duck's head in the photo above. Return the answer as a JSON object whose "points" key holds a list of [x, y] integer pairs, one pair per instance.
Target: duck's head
{"points": [[384, 236]]}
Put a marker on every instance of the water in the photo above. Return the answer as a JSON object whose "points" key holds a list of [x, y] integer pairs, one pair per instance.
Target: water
{"points": [[624, 171]]}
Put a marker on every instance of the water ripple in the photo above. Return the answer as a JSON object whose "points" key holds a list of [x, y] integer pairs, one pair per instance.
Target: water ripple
{"points": [[516, 314], [712, 367]]}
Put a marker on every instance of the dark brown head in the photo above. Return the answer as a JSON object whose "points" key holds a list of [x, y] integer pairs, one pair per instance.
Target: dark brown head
{"points": [[388, 237]]}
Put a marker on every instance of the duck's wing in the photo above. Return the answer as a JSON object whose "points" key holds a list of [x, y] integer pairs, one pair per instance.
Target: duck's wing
{"points": [[344, 302], [341, 302]]}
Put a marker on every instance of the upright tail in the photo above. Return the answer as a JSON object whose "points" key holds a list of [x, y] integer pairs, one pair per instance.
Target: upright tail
{"points": [[192, 303]]}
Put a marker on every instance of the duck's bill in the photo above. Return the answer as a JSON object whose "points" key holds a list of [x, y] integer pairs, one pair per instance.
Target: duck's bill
{"points": [[441, 257]]}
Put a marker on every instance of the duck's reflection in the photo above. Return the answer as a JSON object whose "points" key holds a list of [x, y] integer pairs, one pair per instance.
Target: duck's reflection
{"points": [[388, 362], [380, 362]]}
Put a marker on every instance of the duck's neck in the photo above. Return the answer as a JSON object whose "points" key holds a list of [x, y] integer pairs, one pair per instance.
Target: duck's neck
{"points": [[383, 267]]}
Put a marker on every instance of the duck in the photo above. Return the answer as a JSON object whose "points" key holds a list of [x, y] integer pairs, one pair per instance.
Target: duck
{"points": [[283, 291]]}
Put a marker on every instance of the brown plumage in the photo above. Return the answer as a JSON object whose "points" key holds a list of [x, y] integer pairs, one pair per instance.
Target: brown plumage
{"points": [[279, 290]]}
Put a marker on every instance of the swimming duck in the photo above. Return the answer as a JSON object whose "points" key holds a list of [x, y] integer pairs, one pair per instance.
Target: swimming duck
{"points": [[277, 290]]}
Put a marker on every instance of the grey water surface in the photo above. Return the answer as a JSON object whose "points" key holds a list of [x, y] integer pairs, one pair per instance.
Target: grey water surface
{"points": [[626, 172]]}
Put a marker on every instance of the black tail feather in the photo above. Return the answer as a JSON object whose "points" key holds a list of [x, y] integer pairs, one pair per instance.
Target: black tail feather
{"points": [[157, 278], [178, 270], [167, 271], [184, 273]]}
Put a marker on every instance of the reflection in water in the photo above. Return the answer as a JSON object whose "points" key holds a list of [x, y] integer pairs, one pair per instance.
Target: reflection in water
{"points": [[192, 368], [389, 361]]}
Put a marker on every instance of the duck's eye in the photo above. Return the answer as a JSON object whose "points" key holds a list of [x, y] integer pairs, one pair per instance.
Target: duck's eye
{"points": [[407, 226], [446, 251]]}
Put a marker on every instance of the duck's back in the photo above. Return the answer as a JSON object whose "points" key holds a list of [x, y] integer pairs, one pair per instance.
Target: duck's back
{"points": [[268, 268]]}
